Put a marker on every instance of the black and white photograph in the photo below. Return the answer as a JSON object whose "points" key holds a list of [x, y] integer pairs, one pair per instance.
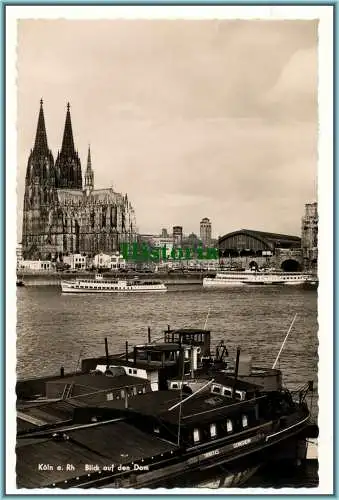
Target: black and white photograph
{"points": [[171, 323]]}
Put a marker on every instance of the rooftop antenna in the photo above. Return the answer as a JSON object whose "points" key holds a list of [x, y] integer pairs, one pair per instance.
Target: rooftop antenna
{"points": [[283, 344]]}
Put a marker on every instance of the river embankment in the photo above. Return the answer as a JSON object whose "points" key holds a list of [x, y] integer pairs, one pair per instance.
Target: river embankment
{"points": [[54, 278]]}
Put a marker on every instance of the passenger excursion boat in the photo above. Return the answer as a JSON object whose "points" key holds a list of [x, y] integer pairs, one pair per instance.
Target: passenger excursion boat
{"points": [[259, 278], [101, 285], [122, 422]]}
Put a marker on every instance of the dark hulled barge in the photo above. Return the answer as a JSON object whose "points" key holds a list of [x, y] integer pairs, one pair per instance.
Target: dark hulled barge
{"points": [[145, 428]]}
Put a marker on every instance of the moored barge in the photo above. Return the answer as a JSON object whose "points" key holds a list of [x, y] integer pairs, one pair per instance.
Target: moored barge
{"points": [[133, 420]]}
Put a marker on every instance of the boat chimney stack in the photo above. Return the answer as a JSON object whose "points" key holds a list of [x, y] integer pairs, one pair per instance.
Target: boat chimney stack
{"points": [[168, 328], [62, 372], [126, 348], [106, 351], [149, 334], [237, 365]]}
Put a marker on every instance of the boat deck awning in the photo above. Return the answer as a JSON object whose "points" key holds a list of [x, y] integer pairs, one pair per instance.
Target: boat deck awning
{"points": [[197, 409], [116, 443]]}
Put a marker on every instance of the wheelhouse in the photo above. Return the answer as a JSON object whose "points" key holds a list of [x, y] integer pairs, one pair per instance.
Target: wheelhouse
{"points": [[191, 337]]}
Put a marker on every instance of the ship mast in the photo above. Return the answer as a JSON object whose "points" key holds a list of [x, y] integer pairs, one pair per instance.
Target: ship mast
{"points": [[284, 342]]}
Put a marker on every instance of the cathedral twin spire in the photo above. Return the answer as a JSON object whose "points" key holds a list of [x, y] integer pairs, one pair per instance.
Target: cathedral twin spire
{"points": [[67, 148], [67, 172], [68, 165], [41, 144], [40, 165]]}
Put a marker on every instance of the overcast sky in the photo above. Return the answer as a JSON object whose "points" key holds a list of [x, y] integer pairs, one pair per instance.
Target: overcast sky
{"points": [[192, 119]]}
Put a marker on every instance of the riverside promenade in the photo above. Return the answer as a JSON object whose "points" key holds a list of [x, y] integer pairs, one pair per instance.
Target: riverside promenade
{"points": [[48, 278]]}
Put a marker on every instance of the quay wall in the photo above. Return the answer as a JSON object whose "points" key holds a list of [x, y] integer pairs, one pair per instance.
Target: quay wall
{"points": [[53, 279]]}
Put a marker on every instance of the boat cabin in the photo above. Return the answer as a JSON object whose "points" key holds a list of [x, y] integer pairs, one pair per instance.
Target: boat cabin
{"points": [[229, 387], [229, 408], [192, 337], [158, 354], [154, 362]]}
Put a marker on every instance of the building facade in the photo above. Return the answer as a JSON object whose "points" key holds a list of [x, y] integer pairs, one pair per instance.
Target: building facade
{"points": [[272, 250], [177, 236], [35, 265], [63, 213], [309, 235], [206, 232], [161, 242], [76, 261], [18, 254], [112, 262]]}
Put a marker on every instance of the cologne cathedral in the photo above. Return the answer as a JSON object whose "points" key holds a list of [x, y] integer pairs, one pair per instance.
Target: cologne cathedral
{"points": [[63, 213]]}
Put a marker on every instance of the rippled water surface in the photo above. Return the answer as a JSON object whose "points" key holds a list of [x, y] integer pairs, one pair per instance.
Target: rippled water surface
{"points": [[54, 329]]}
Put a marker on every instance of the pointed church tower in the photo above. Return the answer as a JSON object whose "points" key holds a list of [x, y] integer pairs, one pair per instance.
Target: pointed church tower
{"points": [[41, 144], [68, 164], [39, 191], [40, 165], [89, 175]]}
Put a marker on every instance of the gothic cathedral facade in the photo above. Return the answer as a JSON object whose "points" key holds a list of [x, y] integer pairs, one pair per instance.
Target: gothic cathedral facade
{"points": [[63, 213]]}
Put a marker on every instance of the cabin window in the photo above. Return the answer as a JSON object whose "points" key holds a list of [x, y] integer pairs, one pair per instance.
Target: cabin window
{"points": [[156, 430], [134, 371], [216, 390], [229, 425], [175, 386], [144, 390], [196, 435], [122, 393], [244, 421], [130, 370], [228, 392], [240, 395], [109, 396], [213, 430]]}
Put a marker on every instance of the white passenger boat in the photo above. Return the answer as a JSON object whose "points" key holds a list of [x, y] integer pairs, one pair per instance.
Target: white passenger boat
{"points": [[244, 278], [101, 285]]}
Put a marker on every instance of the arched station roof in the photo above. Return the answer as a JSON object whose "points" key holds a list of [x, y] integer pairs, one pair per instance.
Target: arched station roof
{"points": [[249, 239]]}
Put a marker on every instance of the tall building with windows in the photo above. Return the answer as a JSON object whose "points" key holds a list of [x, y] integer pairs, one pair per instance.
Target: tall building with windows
{"points": [[62, 214], [309, 235], [177, 236], [206, 232]]}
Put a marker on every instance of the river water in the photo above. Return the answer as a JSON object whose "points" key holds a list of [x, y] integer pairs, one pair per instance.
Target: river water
{"points": [[53, 329]]}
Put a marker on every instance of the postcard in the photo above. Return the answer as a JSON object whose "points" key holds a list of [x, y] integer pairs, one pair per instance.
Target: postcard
{"points": [[170, 268]]}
